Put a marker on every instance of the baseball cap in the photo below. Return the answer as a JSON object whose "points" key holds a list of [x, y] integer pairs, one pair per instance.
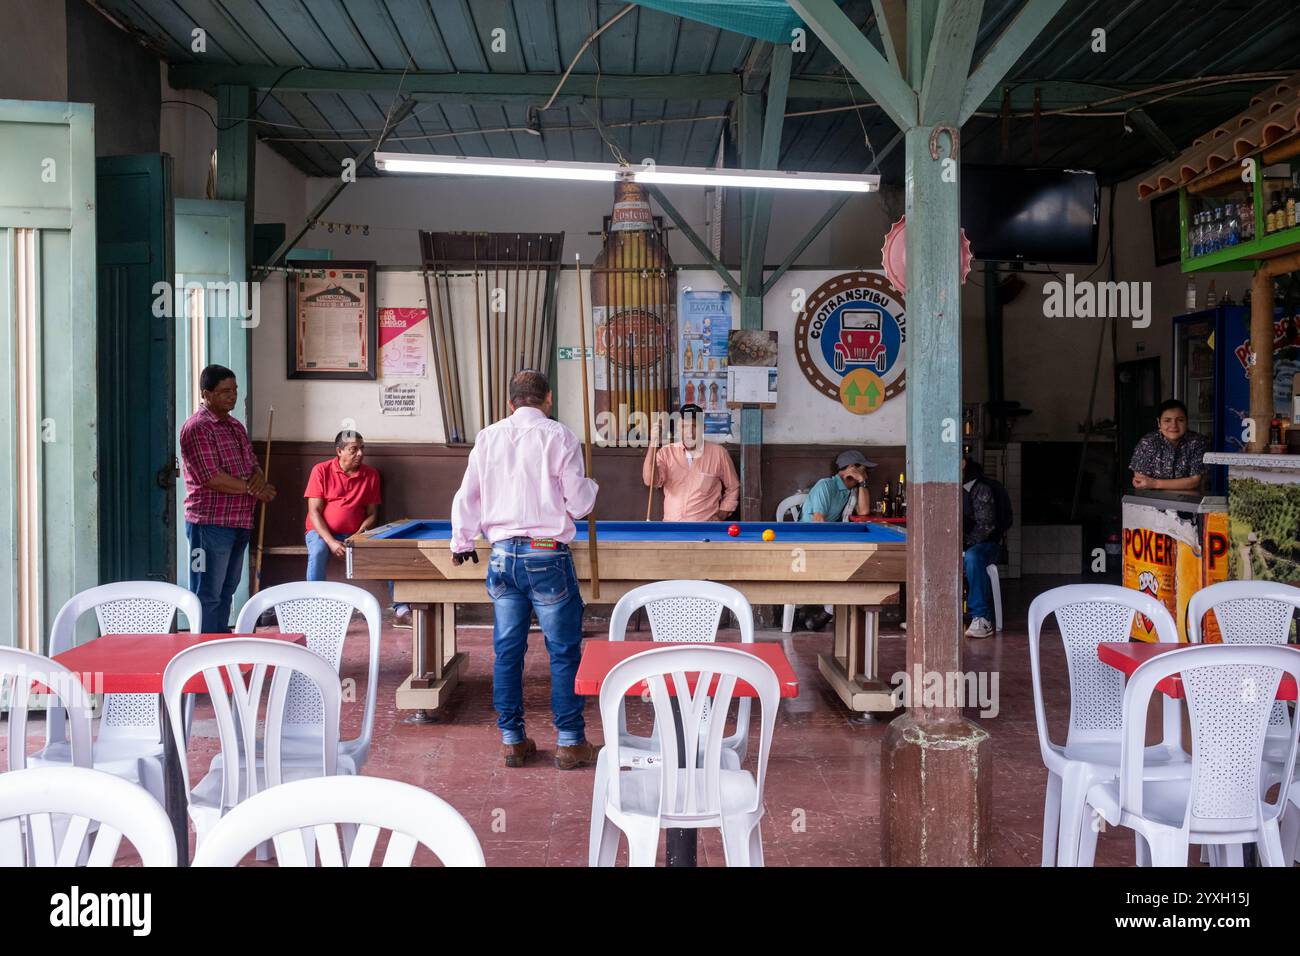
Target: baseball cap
{"points": [[853, 457]]}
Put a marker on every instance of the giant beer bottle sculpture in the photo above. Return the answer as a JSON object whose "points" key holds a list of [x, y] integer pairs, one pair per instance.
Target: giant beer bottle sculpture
{"points": [[633, 300]]}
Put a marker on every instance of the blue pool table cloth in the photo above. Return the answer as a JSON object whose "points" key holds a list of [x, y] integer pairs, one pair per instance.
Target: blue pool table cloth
{"points": [[830, 532]]}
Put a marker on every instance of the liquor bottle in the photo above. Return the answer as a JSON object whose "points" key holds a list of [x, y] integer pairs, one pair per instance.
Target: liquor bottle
{"points": [[689, 358], [1290, 208], [1218, 232], [690, 392], [887, 501], [633, 287], [1275, 207], [900, 501], [1233, 225], [1211, 299]]}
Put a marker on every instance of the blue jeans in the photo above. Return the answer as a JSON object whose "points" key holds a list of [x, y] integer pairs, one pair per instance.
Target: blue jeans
{"points": [[318, 558], [977, 558], [522, 580], [221, 560]]}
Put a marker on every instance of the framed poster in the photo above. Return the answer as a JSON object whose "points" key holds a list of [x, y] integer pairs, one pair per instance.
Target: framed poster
{"points": [[332, 329]]}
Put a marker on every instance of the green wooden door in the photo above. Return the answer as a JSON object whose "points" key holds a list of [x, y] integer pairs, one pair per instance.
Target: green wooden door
{"points": [[210, 326], [137, 388], [48, 496]]}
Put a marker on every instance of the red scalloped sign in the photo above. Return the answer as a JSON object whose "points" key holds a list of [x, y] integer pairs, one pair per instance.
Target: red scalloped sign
{"points": [[894, 256]]}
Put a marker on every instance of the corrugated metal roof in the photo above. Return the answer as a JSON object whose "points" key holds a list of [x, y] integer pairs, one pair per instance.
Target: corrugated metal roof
{"points": [[1147, 45]]}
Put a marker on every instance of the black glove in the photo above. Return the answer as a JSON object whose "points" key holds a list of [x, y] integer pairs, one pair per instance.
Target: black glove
{"points": [[457, 559]]}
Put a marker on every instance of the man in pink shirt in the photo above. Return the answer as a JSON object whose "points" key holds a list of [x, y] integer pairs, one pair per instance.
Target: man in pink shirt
{"points": [[697, 476], [522, 490]]}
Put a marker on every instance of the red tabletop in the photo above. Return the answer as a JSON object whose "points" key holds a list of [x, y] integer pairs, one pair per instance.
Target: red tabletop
{"points": [[1128, 656], [134, 663], [599, 657]]}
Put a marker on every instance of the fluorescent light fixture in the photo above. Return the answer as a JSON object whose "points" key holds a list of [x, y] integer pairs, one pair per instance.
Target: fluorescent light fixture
{"points": [[754, 178], [611, 172], [476, 166]]}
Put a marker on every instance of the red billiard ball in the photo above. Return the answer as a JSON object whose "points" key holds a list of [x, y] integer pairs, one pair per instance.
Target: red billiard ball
{"points": [[734, 530]]}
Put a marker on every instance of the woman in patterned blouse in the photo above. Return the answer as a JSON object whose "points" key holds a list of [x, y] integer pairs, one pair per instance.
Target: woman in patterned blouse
{"points": [[1169, 458]]}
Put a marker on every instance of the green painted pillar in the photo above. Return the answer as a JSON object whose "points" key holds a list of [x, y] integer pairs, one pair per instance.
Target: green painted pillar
{"points": [[937, 765]]}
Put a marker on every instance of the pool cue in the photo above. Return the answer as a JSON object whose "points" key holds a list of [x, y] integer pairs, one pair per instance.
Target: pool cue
{"points": [[478, 341], [586, 434], [256, 584], [654, 464]]}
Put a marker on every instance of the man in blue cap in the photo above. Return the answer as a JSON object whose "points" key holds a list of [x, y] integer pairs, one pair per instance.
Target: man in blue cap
{"points": [[830, 499]]}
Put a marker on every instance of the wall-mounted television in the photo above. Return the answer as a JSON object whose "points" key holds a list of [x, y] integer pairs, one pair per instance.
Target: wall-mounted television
{"points": [[1030, 213]]}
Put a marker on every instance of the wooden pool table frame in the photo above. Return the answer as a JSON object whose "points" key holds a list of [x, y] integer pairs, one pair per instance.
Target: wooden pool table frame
{"points": [[857, 578]]}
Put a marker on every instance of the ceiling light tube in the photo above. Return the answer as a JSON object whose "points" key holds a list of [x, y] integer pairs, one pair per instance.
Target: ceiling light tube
{"points": [[478, 166], [754, 179], [610, 172]]}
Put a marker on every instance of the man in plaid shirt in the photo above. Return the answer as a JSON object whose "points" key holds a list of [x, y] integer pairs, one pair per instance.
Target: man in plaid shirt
{"points": [[222, 484]]}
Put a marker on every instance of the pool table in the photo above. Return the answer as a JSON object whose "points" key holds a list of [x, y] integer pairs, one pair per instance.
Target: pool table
{"points": [[855, 566]]}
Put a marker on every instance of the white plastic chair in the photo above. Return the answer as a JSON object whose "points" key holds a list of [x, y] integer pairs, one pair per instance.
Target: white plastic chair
{"points": [[236, 699], [1087, 615], [1231, 689], [1254, 612], [18, 669], [302, 815], [322, 610], [77, 816], [789, 510], [995, 584], [683, 612], [702, 793], [129, 743], [1251, 612]]}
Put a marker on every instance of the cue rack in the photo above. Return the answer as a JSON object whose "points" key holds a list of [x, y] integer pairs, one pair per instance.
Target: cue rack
{"points": [[512, 279]]}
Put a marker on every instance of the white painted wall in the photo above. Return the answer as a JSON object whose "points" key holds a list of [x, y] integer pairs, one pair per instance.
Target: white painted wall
{"points": [[1048, 365]]}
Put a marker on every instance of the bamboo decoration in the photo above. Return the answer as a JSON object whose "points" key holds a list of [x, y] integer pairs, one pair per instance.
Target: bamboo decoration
{"points": [[256, 584], [586, 433]]}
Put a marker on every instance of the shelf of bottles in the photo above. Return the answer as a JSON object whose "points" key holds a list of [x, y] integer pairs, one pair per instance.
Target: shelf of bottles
{"points": [[1233, 224]]}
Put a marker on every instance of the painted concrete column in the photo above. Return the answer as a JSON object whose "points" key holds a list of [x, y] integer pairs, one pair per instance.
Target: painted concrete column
{"points": [[936, 764]]}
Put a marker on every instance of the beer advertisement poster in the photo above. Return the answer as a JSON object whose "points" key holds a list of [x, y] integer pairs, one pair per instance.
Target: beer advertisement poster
{"points": [[705, 325]]}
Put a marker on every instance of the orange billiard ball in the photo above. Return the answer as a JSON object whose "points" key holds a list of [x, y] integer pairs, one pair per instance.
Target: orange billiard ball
{"points": [[734, 530], [769, 535]]}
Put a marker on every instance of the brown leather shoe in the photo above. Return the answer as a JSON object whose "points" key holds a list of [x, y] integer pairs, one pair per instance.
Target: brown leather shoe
{"points": [[579, 755], [516, 754]]}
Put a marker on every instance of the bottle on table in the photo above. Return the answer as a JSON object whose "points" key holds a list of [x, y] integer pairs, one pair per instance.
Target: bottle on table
{"points": [[887, 503]]}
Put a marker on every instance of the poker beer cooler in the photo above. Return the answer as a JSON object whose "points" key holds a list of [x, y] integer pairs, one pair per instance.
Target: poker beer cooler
{"points": [[1174, 545]]}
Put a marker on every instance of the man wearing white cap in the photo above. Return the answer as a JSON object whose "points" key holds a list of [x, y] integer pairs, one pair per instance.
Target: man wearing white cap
{"points": [[828, 500]]}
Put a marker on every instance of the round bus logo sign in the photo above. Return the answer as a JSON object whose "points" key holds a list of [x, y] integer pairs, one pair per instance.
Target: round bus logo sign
{"points": [[850, 340]]}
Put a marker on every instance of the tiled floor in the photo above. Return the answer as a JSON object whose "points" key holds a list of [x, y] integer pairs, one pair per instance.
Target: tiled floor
{"points": [[823, 794]]}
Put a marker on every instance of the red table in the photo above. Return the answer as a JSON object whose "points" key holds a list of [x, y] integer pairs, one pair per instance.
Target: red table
{"points": [[134, 664], [1128, 656], [599, 657]]}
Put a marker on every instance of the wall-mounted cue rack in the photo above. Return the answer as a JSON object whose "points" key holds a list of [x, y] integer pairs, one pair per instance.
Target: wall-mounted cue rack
{"points": [[513, 292]]}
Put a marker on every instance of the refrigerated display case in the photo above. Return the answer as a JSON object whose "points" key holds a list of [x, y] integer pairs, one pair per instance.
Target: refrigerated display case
{"points": [[1211, 359]]}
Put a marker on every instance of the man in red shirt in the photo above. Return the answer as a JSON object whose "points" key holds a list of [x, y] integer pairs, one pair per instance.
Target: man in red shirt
{"points": [[342, 499]]}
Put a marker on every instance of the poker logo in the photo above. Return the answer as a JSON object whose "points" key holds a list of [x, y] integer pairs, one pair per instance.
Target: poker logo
{"points": [[850, 340]]}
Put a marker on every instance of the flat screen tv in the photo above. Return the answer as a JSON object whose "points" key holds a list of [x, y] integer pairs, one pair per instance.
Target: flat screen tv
{"points": [[1030, 214]]}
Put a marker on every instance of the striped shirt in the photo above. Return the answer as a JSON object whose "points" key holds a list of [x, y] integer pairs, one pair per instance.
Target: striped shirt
{"points": [[210, 444]]}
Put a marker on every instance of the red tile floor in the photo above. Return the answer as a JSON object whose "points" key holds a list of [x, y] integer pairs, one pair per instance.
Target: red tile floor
{"points": [[823, 791]]}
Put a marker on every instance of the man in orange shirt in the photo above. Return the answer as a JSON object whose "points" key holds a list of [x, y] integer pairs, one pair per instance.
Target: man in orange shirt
{"points": [[697, 476]]}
